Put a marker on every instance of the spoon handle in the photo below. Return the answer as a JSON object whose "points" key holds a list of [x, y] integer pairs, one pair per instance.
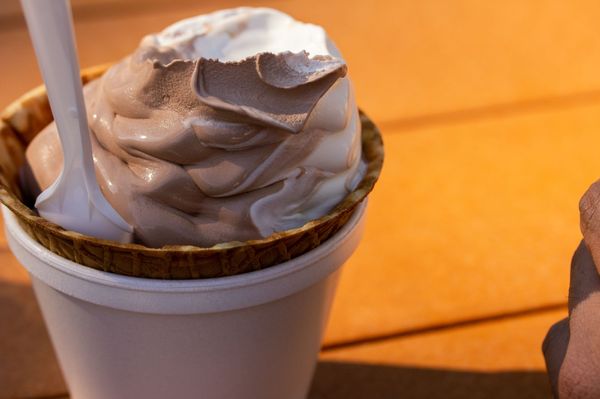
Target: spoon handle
{"points": [[51, 30]]}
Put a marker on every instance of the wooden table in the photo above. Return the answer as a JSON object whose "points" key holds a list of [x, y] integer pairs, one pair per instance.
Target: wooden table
{"points": [[491, 119]]}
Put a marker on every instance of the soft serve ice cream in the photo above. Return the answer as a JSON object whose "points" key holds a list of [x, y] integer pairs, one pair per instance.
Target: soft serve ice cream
{"points": [[224, 127]]}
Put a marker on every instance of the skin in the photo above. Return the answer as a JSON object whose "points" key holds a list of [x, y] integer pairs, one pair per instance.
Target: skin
{"points": [[572, 346]]}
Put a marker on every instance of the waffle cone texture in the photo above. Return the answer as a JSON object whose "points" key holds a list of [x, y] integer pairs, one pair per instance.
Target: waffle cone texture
{"points": [[23, 119]]}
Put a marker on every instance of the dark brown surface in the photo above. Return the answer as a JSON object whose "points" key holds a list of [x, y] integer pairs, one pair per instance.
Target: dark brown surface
{"points": [[366, 381]]}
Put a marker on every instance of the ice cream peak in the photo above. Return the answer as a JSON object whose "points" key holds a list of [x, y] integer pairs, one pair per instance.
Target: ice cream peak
{"points": [[235, 34], [224, 127]]}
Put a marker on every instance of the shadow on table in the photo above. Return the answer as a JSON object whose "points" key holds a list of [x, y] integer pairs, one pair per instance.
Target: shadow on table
{"points": [[365, 381], [28, 367]]}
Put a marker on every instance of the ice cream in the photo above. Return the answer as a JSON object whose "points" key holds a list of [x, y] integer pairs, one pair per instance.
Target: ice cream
{"points": [[224, 127]]}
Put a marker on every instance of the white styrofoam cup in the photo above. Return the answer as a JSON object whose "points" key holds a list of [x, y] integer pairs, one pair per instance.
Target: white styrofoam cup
{"points": [[255, 335]]}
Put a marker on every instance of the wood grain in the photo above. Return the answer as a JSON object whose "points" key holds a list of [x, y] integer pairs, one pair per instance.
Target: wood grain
{"points": [[491, 114], [512, 343], [407, 58], [470, 219], [498, 360]]}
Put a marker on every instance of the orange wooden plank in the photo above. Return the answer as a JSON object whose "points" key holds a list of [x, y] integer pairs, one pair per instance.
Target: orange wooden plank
{"points": [[470, 219], [411, 58], [407, 58], [512, 343], [500, 359]]}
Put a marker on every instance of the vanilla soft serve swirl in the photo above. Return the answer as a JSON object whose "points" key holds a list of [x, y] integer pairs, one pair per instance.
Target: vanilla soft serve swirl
{"points": [[228, 126]]}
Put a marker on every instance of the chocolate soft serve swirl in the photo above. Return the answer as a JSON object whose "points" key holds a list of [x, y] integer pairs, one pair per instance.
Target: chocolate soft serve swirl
{"points": [[197, 143]]}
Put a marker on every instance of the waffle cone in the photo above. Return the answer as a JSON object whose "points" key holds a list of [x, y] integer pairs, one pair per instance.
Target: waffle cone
{"points": [[22, 120]]}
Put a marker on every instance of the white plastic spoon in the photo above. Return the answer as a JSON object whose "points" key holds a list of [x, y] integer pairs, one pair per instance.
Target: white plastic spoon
{"points": [[74, 201]]}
